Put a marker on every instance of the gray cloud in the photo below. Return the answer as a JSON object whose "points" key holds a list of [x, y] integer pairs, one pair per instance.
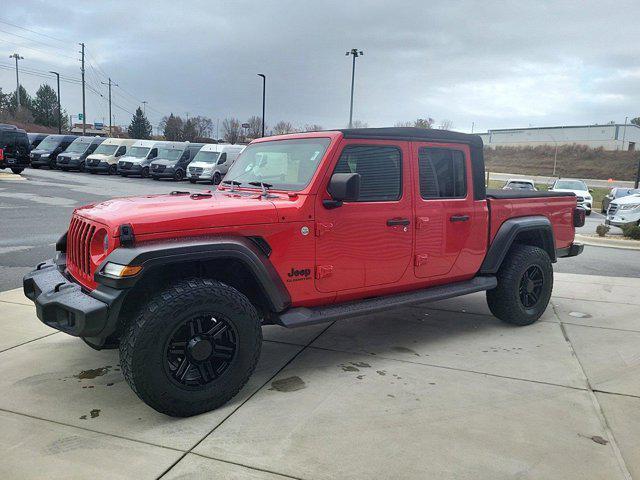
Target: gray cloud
{"points": [[498, 64]]}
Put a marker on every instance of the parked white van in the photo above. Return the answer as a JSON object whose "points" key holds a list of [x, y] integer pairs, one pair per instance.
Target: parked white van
{"points": [[212, 162], [137, 159], [105, 158]]}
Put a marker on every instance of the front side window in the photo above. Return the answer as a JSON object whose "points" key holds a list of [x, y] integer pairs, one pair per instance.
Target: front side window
{"points": [[380, 169], [284, 164], [442, 173], [169, 153]]}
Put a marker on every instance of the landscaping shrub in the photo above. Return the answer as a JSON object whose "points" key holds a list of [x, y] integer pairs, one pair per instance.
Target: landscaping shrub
{"points": [[631, 231], [602, 230]]}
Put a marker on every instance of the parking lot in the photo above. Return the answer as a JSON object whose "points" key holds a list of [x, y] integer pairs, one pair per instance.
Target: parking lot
{"points": [[441, 390]]}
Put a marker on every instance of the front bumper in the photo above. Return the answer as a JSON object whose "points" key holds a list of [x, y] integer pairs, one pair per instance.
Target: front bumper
{"points": [[621, 218], [102, 167], [10, 162], [68, 163], [205, 176], [40, 161], [63, 304], [134, 169], [166, 173]]}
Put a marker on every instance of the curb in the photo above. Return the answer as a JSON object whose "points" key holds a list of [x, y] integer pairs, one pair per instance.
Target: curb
{"points": [[11, 176], [608, 242]]}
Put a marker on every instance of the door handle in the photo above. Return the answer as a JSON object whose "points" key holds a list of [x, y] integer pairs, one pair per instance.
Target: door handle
{"points": [[393, 222], [459, 218]]}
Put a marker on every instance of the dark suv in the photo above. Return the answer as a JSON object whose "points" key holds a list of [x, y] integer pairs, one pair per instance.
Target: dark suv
{"points": [[14, 148], [74, 156], [48, 150]]}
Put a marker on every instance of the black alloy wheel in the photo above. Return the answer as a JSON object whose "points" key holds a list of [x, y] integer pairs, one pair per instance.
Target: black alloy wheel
{"points": [[530, 288], [200, 350]]}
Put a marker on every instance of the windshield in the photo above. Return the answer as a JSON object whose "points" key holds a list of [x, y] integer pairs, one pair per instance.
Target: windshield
{"points": [[106, 149], [169, 153], [138, 152], [285, 164], [78, 146], [207, 157], [522, 185], [623, 192], [571, 185], [49, 144]]}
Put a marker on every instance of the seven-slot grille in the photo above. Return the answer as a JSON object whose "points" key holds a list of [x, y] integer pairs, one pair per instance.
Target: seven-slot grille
{"points": [[79, 246], [580, 199], [196, 170], [613, 208], [93, 161], [158, 168], [63, 160], [126, 164]]}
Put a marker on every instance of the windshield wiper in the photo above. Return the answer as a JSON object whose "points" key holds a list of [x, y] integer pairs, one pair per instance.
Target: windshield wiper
{"points": [[265, 187], [233, 184]]}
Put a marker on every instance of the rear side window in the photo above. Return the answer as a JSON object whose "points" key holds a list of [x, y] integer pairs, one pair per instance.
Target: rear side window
{"points": [[380, 170], [442, 173]]}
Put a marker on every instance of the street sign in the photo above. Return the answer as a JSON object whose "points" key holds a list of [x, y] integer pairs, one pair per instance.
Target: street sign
{"points": [[80, 116], [245, 125], [98, 125]]}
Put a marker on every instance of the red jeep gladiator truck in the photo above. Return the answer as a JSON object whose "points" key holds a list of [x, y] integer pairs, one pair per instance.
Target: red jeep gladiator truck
{"points": [[305, 228]]}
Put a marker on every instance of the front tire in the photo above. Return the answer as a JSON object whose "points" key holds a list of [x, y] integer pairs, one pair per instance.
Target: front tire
{"points": [[145, 172], [17, 171], [217, 178], [192, 347], [178, 176], [525, 281], [588, 212], [112, 170]]}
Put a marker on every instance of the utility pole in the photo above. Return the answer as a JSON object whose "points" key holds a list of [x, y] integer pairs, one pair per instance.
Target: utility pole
{"points": [[624, 131], [84, 110], [144, 108], [110, 117], [356, 53], [473, 124], [59, 110], [264, 88], [17, 57]]}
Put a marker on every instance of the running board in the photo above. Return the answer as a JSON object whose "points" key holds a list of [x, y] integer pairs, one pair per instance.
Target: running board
{"points": [[301, 316]]}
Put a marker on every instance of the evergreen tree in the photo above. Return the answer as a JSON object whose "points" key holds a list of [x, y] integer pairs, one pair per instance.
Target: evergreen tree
{"points": [[189, 132], [45, 107], [26, 102], [140, 127], [172, 127]]}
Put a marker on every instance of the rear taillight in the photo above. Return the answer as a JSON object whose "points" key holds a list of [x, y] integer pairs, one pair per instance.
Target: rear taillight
{"points": [[1, 154], [579, 215]]}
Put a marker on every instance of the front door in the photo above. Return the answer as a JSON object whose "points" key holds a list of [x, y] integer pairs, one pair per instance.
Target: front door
{"points": [[367, 242], [444, 207]]}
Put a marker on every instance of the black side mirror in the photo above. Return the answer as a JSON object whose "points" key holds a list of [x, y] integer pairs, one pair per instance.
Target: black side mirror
{"points": [[343, 187]]}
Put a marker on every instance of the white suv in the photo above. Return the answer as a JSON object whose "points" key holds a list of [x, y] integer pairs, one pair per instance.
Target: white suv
{"points": [[582, 192], [624, 211]]}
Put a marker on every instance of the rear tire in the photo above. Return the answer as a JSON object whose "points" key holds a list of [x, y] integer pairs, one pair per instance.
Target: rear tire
{"points": [[191, 180], [525, 282], [17, 171], [192, 347], [52, 165], [81, 167], [588, 212]]}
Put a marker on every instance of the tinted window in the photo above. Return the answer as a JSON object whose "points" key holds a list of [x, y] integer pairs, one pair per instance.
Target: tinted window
{"points": [[571, 185], [442, 173], [379, 168]]}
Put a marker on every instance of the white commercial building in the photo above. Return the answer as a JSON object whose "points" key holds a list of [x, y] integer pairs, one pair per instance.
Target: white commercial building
{"points": [[612, 136]]}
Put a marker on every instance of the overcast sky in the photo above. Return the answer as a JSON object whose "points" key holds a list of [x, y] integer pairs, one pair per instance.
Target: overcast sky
{"points": [[497, 64]]}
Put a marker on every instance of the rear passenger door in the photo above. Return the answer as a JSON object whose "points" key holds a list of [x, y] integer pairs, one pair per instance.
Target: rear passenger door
{"points": [[443, 207], [366, 243]]}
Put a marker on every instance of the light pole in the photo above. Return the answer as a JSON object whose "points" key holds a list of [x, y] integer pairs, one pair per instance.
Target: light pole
{"points": [[59, 111], [144, 108], [555, 155], [264, 88], [110, 84], [356, 53], [17, 57]]}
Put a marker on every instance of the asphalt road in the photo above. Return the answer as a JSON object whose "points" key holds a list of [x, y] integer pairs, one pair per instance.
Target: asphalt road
{"points": [[35, 210]]}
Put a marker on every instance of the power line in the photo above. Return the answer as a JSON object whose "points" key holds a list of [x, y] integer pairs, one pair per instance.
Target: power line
{"points": [[20, 45], [33, 31], [33, 40]]}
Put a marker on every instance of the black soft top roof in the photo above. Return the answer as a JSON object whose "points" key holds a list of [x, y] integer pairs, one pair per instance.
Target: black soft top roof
{"points": [[412, 133]]}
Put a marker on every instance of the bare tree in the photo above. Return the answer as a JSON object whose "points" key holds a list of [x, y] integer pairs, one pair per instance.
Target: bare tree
{"points": [[255, 127], [424, 122], [404, 124], [446, 125], [203, 126], [312, 127], [231, 130], [283, 127], [359, 124]]}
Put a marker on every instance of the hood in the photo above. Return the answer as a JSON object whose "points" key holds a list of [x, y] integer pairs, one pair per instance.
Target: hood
{"points": [[99, 156], [165, 213], [629, 199], [168, 163], [73, 156], [38, 151], [202, 164], [130, 159], [582, 193]]}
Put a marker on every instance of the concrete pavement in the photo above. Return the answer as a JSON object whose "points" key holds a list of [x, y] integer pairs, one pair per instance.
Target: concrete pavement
{"points": [[442, 391]]}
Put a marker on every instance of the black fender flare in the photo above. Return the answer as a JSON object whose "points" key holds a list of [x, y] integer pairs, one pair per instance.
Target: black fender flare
{"points": [[508, 232], [166, 252]]}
